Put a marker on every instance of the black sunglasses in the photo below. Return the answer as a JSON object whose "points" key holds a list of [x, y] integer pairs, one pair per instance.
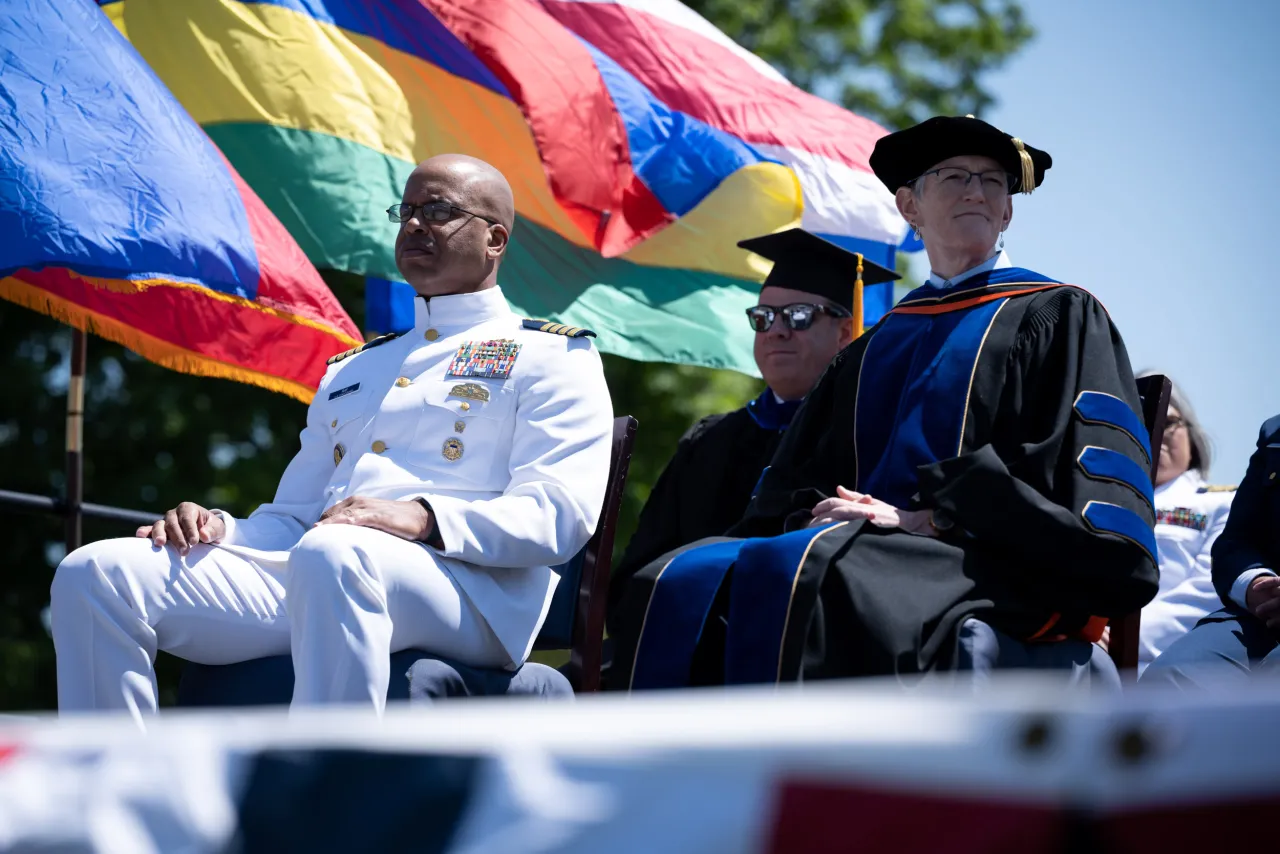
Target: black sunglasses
{"points": [[799, 316], [436, 212]]}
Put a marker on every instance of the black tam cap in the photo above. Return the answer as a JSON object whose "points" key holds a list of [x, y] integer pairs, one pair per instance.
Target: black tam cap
{"points": [[902, 157], [806, 262]]}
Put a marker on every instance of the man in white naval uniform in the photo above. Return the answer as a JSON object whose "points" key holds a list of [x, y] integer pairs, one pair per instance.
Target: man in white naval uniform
{"points": [[442, 472]]}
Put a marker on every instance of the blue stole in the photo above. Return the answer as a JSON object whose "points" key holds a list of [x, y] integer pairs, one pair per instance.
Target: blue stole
{"points": [[765, 571], [678, 608], [913, 395], [770, 413], [760, 599], [686, 587]]}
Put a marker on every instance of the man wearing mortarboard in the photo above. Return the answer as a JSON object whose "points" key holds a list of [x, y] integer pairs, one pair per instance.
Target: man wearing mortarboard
{"points": [[804, 317], [966, 488]]}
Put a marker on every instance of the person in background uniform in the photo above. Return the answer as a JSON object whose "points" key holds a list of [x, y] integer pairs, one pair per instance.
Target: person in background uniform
{"points": [[1240, 639], [967, 487], [1190, 515], [442, 472], [804, 318]]}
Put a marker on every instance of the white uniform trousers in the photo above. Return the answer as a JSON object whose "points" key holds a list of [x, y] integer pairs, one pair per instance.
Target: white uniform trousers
{"points": [[342, 602]]}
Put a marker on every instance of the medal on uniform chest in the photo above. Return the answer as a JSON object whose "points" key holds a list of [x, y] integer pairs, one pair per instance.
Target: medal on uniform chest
{"points": [[490, 359], [452, 450], [1183, 517], [471, 391]]}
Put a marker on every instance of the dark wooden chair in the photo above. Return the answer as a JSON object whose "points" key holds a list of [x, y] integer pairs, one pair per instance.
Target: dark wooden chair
{"points": [[1154, 390], [576, 619], [574, 622]]}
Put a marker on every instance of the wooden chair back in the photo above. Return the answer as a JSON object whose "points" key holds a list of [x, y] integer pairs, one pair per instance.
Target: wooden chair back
{"points": [[576, 618], [1154, 390]]}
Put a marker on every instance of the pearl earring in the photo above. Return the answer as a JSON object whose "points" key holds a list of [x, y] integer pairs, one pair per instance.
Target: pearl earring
{"points": [[1000, 242], [916, 229]]}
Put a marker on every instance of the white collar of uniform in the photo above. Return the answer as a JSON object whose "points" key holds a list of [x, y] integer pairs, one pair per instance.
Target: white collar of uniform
{"points": [[998, 261], [1189, 481], [460, 309]]}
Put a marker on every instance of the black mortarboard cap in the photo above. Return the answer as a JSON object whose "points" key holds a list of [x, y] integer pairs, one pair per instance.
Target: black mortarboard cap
{"points": [[900, 158], [803, 261]]}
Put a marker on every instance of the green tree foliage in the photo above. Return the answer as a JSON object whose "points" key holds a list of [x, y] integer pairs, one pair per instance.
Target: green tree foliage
{"points": [[895, 61], [154, 437]]}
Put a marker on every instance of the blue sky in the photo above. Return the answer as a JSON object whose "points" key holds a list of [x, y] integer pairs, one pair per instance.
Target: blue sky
{"points": [[1164, 196]]}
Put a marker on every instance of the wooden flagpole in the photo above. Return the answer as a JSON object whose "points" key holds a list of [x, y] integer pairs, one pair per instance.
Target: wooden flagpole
{"points": [[75, 441]]}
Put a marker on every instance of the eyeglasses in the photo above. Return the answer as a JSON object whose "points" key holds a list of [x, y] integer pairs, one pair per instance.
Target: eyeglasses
{"points": [[436, 212], [1173, 423], [799, 316], [995, 182]]}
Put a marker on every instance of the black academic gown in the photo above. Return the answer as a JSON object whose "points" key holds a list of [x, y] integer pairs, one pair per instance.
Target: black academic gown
{"points": [[706, 486], [1007, 403]]}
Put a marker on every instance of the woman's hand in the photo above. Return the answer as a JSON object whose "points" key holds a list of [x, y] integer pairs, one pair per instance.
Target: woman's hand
{"points": [[848, 506]]}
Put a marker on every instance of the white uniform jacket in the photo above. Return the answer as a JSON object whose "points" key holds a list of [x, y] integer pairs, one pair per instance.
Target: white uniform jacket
{"points": [[1189, 518], [514, 468]]}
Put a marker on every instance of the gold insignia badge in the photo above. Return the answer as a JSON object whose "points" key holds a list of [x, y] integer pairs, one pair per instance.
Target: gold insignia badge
{"points": [[339, 451], [471, 391], [452, 450]]}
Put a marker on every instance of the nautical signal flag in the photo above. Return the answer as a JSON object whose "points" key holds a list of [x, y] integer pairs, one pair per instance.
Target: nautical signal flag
{"points": [[641, 142], [119, 216]]}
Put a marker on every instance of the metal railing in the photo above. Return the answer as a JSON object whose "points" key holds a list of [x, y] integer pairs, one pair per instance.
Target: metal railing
{"points": [[59, 507]]}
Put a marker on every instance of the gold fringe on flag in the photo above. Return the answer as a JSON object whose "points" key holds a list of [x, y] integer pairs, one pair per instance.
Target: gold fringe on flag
{"points": [[149, 347], [134, 286]]}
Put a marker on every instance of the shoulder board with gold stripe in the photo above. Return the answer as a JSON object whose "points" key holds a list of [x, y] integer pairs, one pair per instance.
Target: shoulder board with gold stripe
{"points": [[558, 328], [381, 339], [1218, 487]]}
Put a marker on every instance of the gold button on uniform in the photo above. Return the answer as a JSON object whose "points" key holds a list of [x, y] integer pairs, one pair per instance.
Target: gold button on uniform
{"points": [[338, 453], [459, 426], [464, 406], [432, 335], [334, 423], [379, 446], [403, 381]]}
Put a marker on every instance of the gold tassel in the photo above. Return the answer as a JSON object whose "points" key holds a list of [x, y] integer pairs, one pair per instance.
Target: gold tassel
{"points": [[857, 299], [1028, 167]]}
